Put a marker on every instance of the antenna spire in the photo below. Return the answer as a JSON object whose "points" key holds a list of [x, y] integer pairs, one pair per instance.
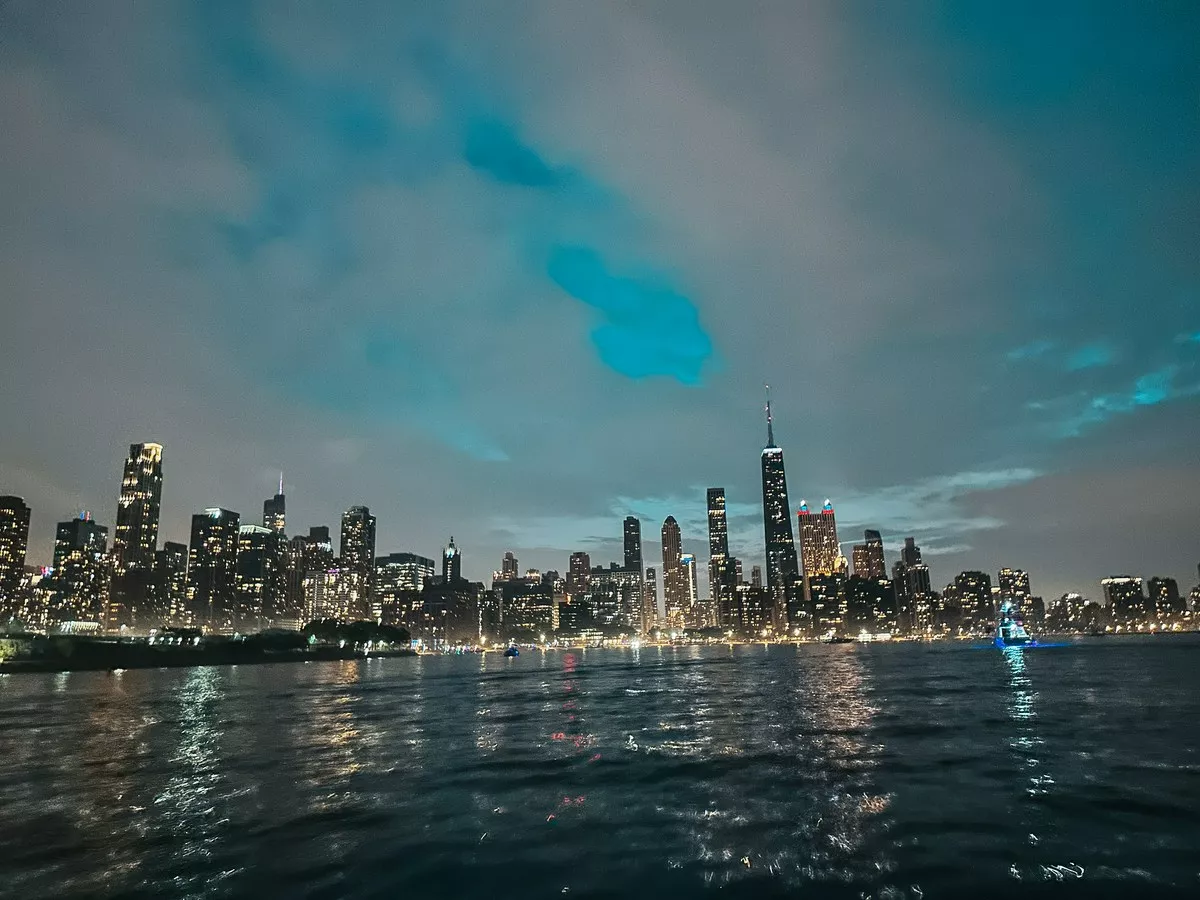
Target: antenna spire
{"points": [[770, 430], [281, 481]]}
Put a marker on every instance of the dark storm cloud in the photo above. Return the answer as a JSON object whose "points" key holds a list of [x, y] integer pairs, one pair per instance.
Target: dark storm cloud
{"points": [[513, 272]]}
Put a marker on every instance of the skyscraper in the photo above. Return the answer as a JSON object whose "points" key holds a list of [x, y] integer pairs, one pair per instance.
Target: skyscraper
{"points": [[633, 543], [577, 574], [168, 588], [212, 568], [451, 563], [358, 540], [1123, 595], [508, 570], [1014, 585], [722, 577], [674, 586], [136, 536], [81, 572], [650, 617], [911, 581], [693, 614], [868, 556], [1163, 600], [275, 511], [782, 569], [260, 580], [14, 543], [633, 563], [974, 591], [819, 549]]}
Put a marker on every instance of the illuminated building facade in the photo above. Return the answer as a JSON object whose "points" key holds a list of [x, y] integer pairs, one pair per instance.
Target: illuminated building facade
{"points": [[722, 575], [1124, 598], [632, 540], [168, 592], [868, 556], [578, 568], [693, 614], [399, 580], [1163, 602], [508, 568], [914, 590], [275, 511], [451, 563], [650, 616], [358, 540], [977, 609], [212, 568], [1014, 586], [14, 544], [782, 568], [674, 582], [338, 593], [260, 580], [820, 552], [81, 573], [136, 535]]}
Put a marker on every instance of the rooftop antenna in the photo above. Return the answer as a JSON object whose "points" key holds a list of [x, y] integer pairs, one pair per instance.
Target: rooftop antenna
{"points": [[770, 431], [281, 482]]}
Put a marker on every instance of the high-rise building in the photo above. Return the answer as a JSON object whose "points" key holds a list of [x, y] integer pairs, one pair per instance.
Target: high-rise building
{"points": [[650, 616], [508, 568], [399, 580], [336, 593], [1163, 601], [674, 584], [756, 576], [358, 540], [632, 539], [782, 568], [136, 536], [168, 591], [633, 543], [1124, 598], [260, 579], [577, 574], [974, 592], [14, 544], [212, 568], [1014, 586], [451, 563], [722, 576], [306, 554], [913, 587], [693, 615], [275, 511], [868, 556], [819, 549], [82, 571]]}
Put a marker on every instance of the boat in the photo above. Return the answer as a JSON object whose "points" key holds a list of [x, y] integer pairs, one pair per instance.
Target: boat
{"points": [[1009, 630], [838, 639], [512, 650]]}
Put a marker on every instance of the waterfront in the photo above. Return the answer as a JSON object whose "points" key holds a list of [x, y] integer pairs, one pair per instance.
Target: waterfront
{"points": [[900, 770]]}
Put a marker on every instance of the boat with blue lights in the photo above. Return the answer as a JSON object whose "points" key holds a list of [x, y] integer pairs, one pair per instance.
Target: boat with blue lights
{"points": [[1009, 630], [512, 650]]}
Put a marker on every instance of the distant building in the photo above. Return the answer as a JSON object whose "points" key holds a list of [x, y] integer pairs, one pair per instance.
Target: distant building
{"points": [[868, 557], [275, 511], [136, 536], [722, 576], [782, 567], [358, 540], [1124, 598], [693, 615], [756, 579], [616, 598], [14, 544], [650, 617], [820, 551], [674, 581], [1163, 601], [451, 563], [1066, 613], [260, 580], [338, 593], [168, 592], [1014, 586], [528, 609], [578, 568], [632, 539], [81, 573], [508, 568], [212, 568], [974, 592], [399, 580]]}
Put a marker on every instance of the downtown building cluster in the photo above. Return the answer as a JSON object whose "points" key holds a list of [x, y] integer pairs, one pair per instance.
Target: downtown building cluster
{"points": [[241, 577]]}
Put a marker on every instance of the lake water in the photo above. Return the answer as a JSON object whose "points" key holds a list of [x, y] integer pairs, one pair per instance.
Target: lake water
{"points": [[822, 771]]}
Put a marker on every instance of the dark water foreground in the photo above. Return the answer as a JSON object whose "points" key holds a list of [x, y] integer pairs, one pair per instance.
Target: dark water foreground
{"points": [[825, 771]]}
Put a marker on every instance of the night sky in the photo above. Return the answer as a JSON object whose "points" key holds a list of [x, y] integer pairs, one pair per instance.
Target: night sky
{"points": [[512, 271]]}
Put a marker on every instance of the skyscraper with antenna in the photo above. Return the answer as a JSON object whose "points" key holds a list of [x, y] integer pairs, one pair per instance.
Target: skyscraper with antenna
{"points": [[782, 569], [274, 511]]}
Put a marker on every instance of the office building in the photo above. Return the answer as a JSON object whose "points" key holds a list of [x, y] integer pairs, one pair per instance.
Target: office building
{"points": [[722, 576], [868, 557], [275, 511], [357, 551], [977, 609], [1164, 604], [451, 563], [399, 580], [14, 544], [168, 592], [782, 568], [577, 574], [633, 543], [650, 614], [508, 568], [212, 568], [260, 579], [820, 552], [1014, 586], [79, 586], [136, 535], [693, 614], [674, 580]]}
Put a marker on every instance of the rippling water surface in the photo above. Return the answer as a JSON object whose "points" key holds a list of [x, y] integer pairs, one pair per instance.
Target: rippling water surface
{"points": [[853, 770]]}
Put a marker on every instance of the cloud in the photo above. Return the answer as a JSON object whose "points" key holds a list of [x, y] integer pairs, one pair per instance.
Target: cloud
{"points": [[1032, 350], [1089, 357], [1082, 412], [492, 146], [646, 328]]}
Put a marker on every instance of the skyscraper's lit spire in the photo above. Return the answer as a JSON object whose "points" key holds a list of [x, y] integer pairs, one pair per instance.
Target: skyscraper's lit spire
{"points": [[281, 481], [770, 431]]}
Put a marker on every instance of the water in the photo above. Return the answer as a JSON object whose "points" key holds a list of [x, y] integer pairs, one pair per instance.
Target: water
{"points": [[825, 771]]}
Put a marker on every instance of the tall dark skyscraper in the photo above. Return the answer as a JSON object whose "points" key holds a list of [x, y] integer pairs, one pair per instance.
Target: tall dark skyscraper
{"points": [[275, 511], [212, 568], [722, 577], [633, 563], [782, 568], [974, 591], [168, 592], [14, 543], [633, 543], [136, 536], [260, 580], [578, 569], [509, 569], [868, 556], [674, 578], [358, 540]]}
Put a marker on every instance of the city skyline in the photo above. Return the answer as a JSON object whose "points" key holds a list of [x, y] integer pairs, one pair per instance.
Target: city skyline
{"points": [[278, 242]]}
